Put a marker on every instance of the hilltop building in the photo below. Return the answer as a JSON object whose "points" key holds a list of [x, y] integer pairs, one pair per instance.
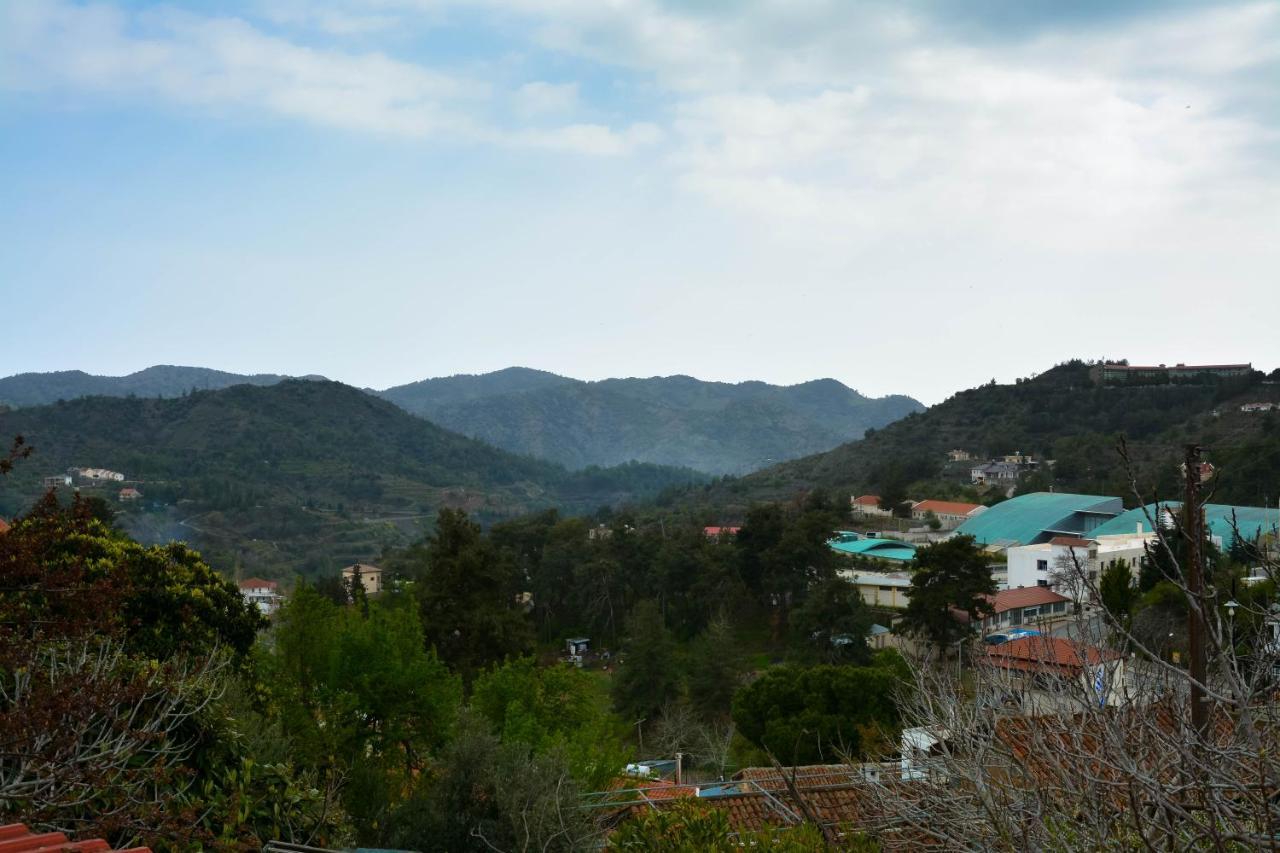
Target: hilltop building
{"points": [[97, 474], [1130, 374], [129, 494]]}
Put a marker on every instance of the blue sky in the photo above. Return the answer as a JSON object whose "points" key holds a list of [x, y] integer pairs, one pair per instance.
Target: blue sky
{"points": [[910, 197]]}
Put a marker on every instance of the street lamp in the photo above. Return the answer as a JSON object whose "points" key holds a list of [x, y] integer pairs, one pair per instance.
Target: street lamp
{"points": [[1231, 606]]}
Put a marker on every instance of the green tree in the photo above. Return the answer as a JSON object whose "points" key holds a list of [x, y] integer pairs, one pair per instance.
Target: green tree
{"points": [[715, 671], [556, 709], [822, 713], [467, 598], [1118, 592], [949, 576], [832, 624], [646, 678]]}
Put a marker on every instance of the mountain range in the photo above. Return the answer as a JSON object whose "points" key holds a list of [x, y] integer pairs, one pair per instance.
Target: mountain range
{"points": [[713, 427], [296, 475]]}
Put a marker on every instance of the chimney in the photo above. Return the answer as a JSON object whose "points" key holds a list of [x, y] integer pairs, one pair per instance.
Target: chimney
{"points": [[679, 768]]}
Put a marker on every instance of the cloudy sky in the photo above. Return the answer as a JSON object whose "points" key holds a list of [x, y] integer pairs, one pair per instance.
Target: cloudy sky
{"points": [[909, 197]]}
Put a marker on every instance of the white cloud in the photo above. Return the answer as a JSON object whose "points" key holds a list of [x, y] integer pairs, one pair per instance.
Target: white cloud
{"points": [[592, 139], [540, 98]]}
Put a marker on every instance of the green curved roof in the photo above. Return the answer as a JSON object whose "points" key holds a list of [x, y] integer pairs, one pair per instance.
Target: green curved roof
{"points": [[885, 549], [1251, 520], [1039, 516]]}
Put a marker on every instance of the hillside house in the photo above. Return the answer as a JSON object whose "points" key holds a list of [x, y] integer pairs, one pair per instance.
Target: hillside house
{"points": [[714, 533], [868, 505], [129, 494], [262, 594], [958, 456], [951, 513], [370, 577], [994, 472], [1035, 607], [57, 481], [1132, 374], [1260, 407]]}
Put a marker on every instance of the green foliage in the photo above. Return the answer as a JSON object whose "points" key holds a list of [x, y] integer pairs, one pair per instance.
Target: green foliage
{"points": [[1118, 592], [557, 709], [831, 625], [485, 795], [715, 671], [949, 575], [646, 678], [467, 598], [819, 714], [692, 827]]}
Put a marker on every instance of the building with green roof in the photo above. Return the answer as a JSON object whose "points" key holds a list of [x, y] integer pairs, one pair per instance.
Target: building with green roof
{"points": [[1221, 519], [1039, 516], [883, 549]]}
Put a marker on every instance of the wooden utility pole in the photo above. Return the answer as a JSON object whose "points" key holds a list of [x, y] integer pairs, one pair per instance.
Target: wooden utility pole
{"points": [[1192, 528]]}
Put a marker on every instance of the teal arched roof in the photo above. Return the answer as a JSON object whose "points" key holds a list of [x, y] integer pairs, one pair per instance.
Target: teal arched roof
{"points": [[1251, 520], [884, 549], [1039, 516]]}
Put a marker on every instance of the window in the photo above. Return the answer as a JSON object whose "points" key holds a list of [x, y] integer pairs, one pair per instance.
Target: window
{"points": [[1042, 582], [1030, 612], [1059, 606], [886, 589], [1042, 566]]}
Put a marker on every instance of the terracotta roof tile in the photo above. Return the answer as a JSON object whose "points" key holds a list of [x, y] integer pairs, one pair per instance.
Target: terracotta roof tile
{"points": [[16, 838], [1026, 596], [1071, 541], [1047, 654]]}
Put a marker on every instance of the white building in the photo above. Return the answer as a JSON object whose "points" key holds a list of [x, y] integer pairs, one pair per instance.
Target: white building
{"points": [[867, 505], [98, 474], [262, 594], [1058, 563]]}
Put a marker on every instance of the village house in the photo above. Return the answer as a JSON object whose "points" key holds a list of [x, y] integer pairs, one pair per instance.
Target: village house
{"points": [[57, 481], [714, 533], [958, 456], [1260, 407], [882, 589], [868, 505], [994, 472], [262, 594], [370, 577], [950, 513], [1033, 664], [129, 493], [1034, 607]]}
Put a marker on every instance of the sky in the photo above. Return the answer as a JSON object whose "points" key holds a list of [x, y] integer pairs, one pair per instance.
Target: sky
{"points": [[910, 197]]}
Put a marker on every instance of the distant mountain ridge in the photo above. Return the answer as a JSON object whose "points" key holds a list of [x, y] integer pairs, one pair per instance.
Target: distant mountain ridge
{"points": [[713, 427], [161, 380], [716, 427], [296, 475]]}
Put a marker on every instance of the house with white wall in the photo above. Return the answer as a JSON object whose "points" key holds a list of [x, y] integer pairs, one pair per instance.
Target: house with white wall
{"points": [[1067, 564]]}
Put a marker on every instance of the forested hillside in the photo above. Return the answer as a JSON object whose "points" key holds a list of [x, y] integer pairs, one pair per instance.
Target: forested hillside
{"points": [[716, 427], [301, 475], [1059, 415], [162, 380]]}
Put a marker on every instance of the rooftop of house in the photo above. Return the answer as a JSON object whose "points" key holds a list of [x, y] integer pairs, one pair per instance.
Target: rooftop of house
{"points": [[4, 525], [257, 583], [362, 568], [898, 579], [1071, 542], [1025, 596], [1041, 654], [867, 500], [945, 507], [17, 838], [716, 531]]}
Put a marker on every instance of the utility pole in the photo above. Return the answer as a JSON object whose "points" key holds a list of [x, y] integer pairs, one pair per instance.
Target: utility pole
{"points": [[1192, 528]]}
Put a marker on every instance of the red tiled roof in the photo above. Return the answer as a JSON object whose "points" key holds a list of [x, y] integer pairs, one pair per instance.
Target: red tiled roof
{"points": [[16, 838], [1047, 654], [257, 583], [1071, 541], [867, 500], [4, 525], [716, 531], [945, 507], [1026, 596]]}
